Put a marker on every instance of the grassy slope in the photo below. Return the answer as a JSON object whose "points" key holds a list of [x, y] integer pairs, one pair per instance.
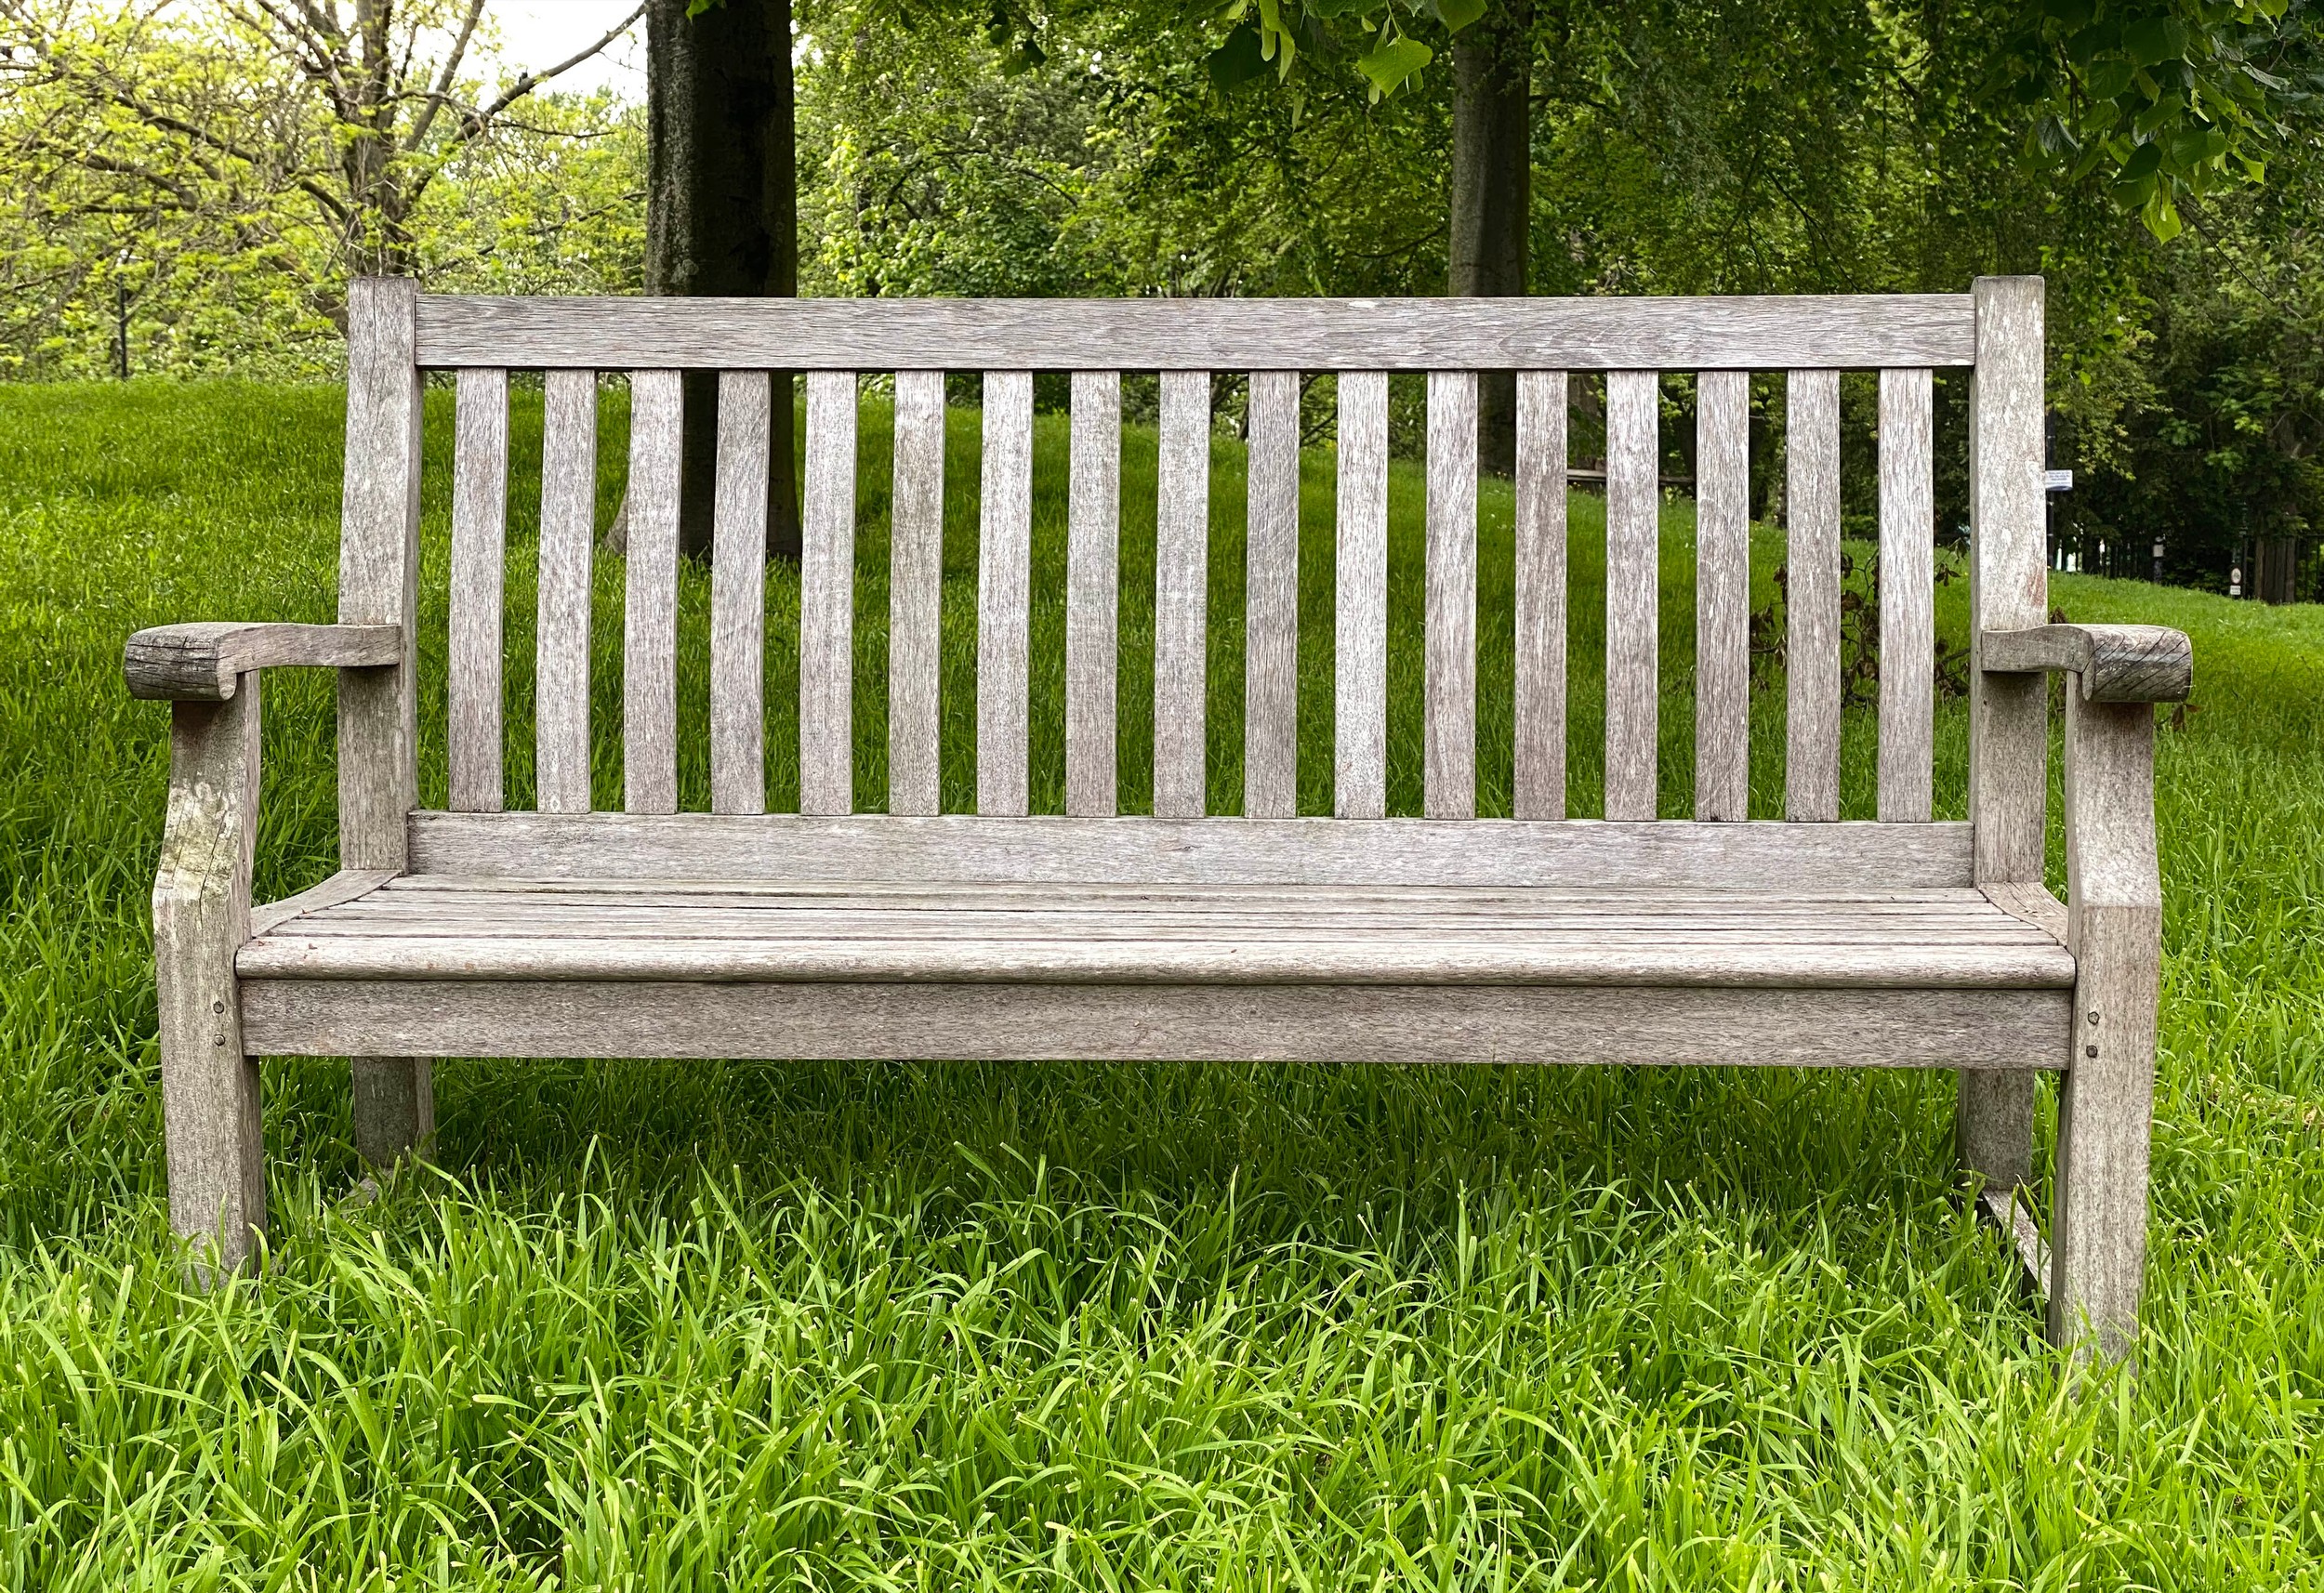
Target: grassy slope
{"points": [[1085, 1325]]}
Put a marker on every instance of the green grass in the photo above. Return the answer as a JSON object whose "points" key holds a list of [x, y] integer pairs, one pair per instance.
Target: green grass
{"points": [[959, 1325]]}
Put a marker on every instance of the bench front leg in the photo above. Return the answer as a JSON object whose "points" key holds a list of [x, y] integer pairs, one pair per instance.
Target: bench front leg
{"points": [[200, 917], [2105, 1109]]}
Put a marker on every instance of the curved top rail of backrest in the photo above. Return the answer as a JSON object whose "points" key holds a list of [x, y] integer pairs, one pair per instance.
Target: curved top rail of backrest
{"points": [[1853, 331]]}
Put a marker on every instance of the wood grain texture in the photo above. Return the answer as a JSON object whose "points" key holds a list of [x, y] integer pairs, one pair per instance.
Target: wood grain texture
{"points": [[1181, 586], [1360, 614], [1449, 648], [1811, 763], [1004, 593], [345, 885], [1578, 854], [205, 661], [915, 575], [2030, 902], [1722, 596], [1634, 511], [1270, 681], [1908, 598], [2114, 662], [827, 598], [378, 710], [1864, 331], [480, 522], [649, 671], [738, 596], [1508, 1023], [1094, 593], [201, 918], [560, 674], [2106, 1103], [1539, 677], [2008, 738]]}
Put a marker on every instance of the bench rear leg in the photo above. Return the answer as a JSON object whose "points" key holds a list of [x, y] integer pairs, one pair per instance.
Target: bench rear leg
{"points": [[1993, 1128], [395, 1108], [201, 916]]}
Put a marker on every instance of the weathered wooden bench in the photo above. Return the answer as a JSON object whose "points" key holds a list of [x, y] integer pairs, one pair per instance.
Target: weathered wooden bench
{"points": [[1185, 934]]}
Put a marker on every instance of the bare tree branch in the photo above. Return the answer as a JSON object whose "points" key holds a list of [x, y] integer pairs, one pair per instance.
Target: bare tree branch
{"points": [[445, 78]]}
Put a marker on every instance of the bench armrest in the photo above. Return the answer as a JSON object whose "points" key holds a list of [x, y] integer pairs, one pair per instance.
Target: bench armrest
{"points": [[2117, 663], [201, 663]]}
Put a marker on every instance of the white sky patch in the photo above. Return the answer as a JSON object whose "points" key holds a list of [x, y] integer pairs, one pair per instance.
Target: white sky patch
{"points": [[537, 35]]}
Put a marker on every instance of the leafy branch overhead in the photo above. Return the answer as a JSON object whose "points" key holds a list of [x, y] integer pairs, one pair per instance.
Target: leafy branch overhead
{"points": [[2168, 98]]}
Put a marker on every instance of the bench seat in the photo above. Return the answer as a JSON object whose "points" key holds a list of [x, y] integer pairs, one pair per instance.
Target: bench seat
{"points": [[452, 926]]}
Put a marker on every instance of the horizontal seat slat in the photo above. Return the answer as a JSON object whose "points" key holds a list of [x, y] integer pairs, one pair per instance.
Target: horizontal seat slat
{"points": [[1577, 855], [1495, 1023], [1859, 332]]}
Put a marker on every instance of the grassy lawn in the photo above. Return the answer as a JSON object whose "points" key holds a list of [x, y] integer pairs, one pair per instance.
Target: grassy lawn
{"points": [[967, 1325]]}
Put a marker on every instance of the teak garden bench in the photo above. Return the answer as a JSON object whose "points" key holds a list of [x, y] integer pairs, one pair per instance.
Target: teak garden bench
{"points": [[1185, 934]]}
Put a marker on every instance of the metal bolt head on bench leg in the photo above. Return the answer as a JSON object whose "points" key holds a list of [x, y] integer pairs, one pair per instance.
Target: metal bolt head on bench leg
{"points": [[395, 1108]]}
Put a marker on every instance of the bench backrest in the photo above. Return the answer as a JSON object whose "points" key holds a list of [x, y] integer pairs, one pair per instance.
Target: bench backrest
{"points": [[396, 335]]}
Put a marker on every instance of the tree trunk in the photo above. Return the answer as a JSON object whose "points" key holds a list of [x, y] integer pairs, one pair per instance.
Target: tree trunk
{"points": [[2277, 569], [1492, 192], [722, 213]]}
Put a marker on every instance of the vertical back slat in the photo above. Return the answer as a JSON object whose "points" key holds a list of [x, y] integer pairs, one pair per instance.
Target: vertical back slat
{"points": [[738, 596], [1722, 595], [1811, 772], [1541, 598], [1271, 703], [916, 575], [1003, 593], [1449, 758], [1092, 589], [1633, 496], [480, 523], [1907, 579], [827, 598], [1360, 617], [560, 692], [649, 672], [1182, 583], [379, 709]]}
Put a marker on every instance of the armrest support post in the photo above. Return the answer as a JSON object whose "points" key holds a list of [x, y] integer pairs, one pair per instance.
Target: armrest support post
{"points": [[201, 916]]}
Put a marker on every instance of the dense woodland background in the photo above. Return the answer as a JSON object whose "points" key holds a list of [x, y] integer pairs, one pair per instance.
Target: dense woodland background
{"points": [[185, 188]]}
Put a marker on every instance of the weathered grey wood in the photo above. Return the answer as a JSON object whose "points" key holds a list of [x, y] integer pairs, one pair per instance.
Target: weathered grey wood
{"points": [[1092, 592], [1539, 684], [1633, 509], [1360, 615], [480, 523], [200, 917], [2009, 739], [2106, 1103], [916, 561], [1004, 594], [1811, 762], [1867, 331], [202, 661], [347, 885], [1449, 721], [649, 676], [2007, 1213], [2116, 664], [827, 598], [1907, 595], [1759, 856], [2029, 901], [1271, 684], [1182, 584], [394, 1107], [378, 710], [1722, 596], [1506, 1024], [738, 596], [560, 688]]}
